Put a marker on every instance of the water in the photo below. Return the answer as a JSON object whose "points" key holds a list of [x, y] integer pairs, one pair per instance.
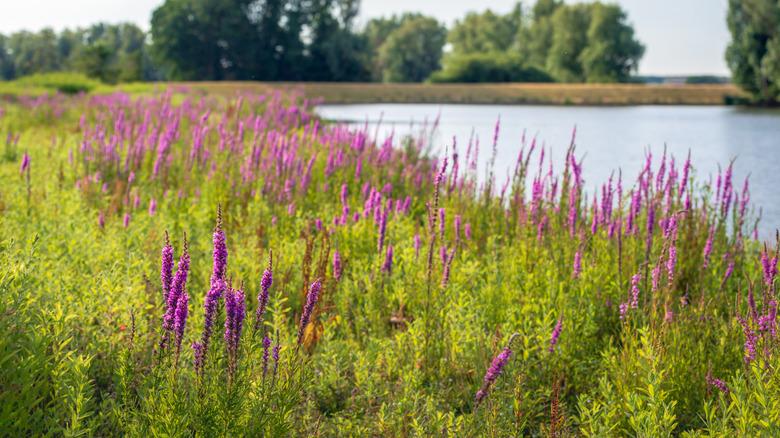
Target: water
{"points": [[609, 138]]}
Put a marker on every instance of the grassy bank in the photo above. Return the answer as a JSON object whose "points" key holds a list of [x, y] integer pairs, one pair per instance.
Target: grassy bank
{"points": [[351, 93], [538, 94]]}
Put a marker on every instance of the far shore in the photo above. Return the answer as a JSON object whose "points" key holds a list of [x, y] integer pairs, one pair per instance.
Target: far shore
{"points": [[505, 93]]}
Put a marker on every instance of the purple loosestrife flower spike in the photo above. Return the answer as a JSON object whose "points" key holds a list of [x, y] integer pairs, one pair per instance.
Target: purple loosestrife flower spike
{"points": [[387, 266], [180, 320], [25, 163], [417, 244], [441, 222], [708, 247], [337, 266], [177, 288], [717, 383], [166, 268], [577, 266], [494, 371], [308, 308], [635, 279], [556, 333], [262, 297], [266, 351]]}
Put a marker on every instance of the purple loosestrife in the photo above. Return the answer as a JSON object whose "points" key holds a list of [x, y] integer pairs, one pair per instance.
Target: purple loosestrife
{"points": [[126, 220], [166, 269], [494, 371], [382, 231], [467, 231], [387, 266], [337, 266], [311, 301], [180, 320], [216, 289], [708, 247], [266, 351], [717, 383], [623, 310], [635, 279], [417, 244], [456, 225], [177, 288], [577, 265], [556, 333], [262, 298], [152, 206], [235, 311], [750, 340], [25, 163]]}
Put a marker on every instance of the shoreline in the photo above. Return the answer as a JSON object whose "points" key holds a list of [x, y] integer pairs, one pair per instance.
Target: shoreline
{"points": [[495, 94]]}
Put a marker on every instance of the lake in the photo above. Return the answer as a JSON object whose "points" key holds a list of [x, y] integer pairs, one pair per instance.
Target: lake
{"points": [[609, 138]]}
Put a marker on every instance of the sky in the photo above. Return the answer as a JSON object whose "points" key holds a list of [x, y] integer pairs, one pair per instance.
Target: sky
{"points": [[681, 36]]}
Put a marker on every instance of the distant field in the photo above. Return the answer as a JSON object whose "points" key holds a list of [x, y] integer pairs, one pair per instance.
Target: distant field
{"points": [[345, 93], [543, 94]]}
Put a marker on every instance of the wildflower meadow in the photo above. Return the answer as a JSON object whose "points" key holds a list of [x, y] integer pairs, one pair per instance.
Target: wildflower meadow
{"points": [[186, 263]]}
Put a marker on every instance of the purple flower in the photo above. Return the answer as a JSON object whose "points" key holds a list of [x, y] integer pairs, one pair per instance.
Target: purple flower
{"points": [[493, 372], [387, 266], [382, 231], [101, 219], [717, 383], [166, 268], [266, 348], [178, 286], [25, 163], [235, 311], [467, 231], [337, 265], [670, 264], [577, 267], [635, 279], [417, 245], [180, 320], [456, 223], [262, 297], [750, 340], [556, 333], [623, 310], [308, 308], [126, 220], [152, 206], [708, 247]]}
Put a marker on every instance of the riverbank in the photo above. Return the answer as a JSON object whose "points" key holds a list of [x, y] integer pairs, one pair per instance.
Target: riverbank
{"points": [[358, 93], [513, 93]]}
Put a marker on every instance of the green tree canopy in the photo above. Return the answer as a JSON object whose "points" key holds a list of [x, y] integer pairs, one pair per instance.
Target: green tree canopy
{"points": [[612, 53], [485, 32], [413, 51], [754, 52]]}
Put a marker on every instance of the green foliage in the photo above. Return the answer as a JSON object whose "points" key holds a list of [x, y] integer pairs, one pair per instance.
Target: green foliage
{"points": [[487, 67], [413, 51], [63, 82], [485, 32], [754, 52], [388, 353]]}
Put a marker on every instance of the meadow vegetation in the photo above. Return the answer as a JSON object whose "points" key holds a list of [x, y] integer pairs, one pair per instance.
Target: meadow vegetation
{"points": [[185, 263]]}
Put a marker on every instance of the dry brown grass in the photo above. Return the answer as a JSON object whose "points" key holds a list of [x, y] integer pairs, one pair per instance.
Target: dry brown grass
{"points": [[513, 93]]}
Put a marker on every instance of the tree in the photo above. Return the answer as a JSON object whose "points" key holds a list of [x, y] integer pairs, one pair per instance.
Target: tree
{"points": [[569, 39], [534, 40], [413, 51], [754, 52], [6, 60], [205, 39], [612, 53], [485, 32], [375, 34]]}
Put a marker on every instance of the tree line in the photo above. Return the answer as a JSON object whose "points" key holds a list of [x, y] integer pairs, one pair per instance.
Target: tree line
{"points": [[319, 40]]}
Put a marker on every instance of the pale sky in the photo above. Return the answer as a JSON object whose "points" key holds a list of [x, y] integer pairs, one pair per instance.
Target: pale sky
{"points": [[680, 36]]}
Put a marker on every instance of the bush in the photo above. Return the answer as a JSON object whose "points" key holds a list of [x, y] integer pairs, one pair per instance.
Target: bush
{"points": [[64, 82], [488, 67]]}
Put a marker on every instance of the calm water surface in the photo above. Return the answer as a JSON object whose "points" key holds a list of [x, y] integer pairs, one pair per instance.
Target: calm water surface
{"points": [[609, 138]]}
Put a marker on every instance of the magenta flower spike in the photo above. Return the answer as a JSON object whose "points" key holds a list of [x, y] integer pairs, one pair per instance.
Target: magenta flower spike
{"points": [[311, 301]]}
